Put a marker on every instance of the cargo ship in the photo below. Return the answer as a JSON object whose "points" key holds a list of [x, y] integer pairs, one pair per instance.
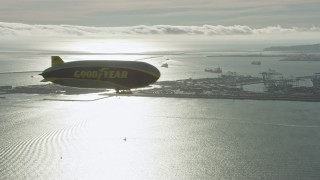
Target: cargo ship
{"points": [[256, 62], [215, 70]]}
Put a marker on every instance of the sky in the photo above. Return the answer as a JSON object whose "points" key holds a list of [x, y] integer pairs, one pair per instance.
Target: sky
{"points": [[219, 24], [107, 13]]}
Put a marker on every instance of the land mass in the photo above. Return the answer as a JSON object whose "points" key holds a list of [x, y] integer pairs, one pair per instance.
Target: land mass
{"points": [[223, 87], [298, 48], [302, 57]]}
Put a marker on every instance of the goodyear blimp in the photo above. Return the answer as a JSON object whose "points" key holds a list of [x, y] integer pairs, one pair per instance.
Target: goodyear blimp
{"points": [[108, 74]]}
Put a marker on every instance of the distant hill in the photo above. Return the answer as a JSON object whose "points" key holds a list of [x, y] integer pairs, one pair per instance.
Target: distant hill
{"points": [[298, 48], [302, 57]]}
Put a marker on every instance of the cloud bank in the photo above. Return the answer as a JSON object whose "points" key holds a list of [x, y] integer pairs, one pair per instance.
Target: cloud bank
{"points": [[19, 29]]}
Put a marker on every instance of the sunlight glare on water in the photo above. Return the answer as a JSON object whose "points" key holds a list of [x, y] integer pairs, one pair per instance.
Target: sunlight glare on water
{"points": [[157, 138], [112, 46], [113, 141]]}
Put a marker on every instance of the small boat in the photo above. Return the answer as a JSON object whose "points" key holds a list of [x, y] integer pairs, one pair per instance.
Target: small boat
{"points": [[215, 70], [165, 65]]}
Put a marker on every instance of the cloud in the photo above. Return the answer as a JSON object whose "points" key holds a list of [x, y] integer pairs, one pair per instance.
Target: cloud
{"points": [[151, 12], [19, 29]]}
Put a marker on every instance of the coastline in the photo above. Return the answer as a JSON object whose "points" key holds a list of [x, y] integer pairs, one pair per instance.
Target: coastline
{"points": [[163, 92], [244, 97]]}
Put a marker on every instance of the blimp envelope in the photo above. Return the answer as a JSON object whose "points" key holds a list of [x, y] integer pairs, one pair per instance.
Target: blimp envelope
{"points": [[109, 74]]}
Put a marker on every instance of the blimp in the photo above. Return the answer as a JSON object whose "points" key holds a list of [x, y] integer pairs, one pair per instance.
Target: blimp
{"points": [[108, 74]]}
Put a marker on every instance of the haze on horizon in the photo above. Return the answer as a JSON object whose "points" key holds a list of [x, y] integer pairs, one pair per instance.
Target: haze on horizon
{"points": [[287, 22]]}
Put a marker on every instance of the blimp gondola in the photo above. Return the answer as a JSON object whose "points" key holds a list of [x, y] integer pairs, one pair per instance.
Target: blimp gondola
{"points": [[108, 74]]}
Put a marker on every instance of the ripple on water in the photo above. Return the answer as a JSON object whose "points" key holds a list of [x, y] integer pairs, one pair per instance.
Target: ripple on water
{"points": [[39, 157]]}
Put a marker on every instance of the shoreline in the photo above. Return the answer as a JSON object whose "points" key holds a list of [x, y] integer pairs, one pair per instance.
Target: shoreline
{"points": [[261, 97], [224, 87], [230, 97], [270, 98]]}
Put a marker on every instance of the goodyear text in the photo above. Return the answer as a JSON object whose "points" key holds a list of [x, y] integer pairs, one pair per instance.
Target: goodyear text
{"points": [[103, 73]]}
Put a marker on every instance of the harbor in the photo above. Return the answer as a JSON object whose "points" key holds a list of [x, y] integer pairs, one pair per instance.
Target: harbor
{"points": [[226, 86], [231, 87]]}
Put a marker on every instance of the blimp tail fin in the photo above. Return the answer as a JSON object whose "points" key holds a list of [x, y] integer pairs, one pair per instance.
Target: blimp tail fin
{"points": [[56, 60]]}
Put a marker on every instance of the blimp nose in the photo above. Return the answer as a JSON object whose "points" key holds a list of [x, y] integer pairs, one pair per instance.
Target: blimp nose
{"points": [[157, 73], [43, 74]]}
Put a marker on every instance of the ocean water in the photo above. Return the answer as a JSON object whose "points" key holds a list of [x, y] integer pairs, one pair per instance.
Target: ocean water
{"points": [[157, 138]]}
